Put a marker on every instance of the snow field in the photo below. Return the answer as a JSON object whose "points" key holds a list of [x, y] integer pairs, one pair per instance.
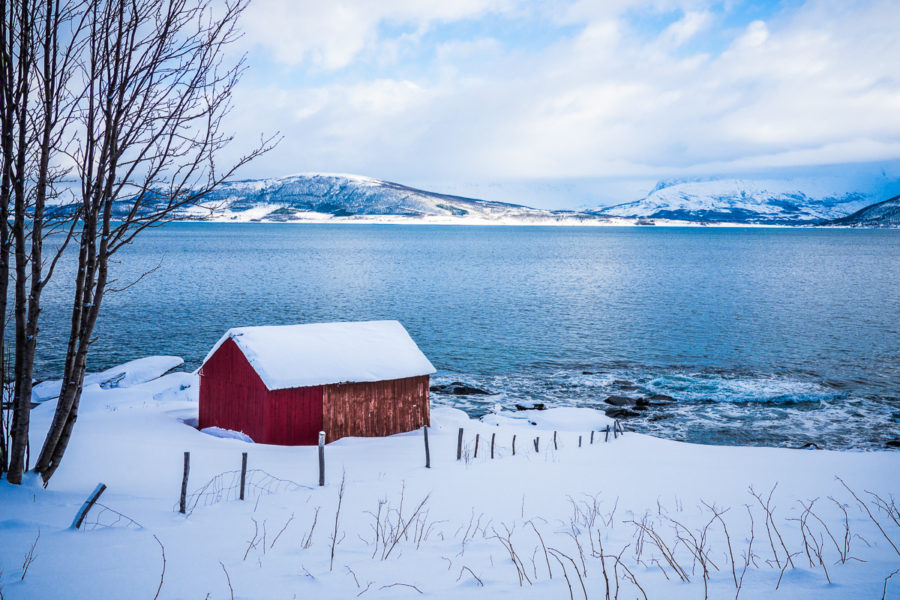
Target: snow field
{"points": [[477, 526]]}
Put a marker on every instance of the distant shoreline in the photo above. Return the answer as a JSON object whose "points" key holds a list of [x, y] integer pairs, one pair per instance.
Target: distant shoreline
{"points": [[614, 222]]}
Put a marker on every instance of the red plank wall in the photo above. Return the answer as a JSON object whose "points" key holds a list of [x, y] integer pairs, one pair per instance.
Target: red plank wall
{"points": [[232, 395], [294, 416]]}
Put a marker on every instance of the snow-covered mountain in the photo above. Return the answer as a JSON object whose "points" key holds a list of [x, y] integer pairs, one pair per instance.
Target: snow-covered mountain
{"points": [[321, 197], [769, 201], [881, 215], [318, 196]]}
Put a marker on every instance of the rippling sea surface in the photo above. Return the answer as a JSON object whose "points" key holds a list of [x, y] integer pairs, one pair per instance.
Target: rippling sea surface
{"points": [[763, 336]]}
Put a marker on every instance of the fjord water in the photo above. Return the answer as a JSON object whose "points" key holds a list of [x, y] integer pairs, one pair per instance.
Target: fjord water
{"points": [[763, 336]]}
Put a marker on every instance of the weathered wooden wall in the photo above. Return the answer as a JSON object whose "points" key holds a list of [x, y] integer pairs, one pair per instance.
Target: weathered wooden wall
{"points": [[375, 408]]}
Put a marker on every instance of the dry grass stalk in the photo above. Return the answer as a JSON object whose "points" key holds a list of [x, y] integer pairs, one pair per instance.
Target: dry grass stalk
{"points": [[307, 539]]}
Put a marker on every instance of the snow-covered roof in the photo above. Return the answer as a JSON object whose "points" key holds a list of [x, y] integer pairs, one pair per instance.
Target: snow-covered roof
{"points": [[289, 356]]}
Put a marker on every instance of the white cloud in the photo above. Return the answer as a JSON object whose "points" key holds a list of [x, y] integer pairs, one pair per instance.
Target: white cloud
{"points": [[331, 34], [818, 84], [686, 28]]}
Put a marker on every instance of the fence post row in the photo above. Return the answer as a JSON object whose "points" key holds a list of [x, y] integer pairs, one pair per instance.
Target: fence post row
{"points": [[184, 483], [321, 458]]}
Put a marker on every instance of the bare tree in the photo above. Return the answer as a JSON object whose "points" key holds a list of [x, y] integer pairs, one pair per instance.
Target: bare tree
{"points": [[35, 113], [157, 88], [9, 96]]}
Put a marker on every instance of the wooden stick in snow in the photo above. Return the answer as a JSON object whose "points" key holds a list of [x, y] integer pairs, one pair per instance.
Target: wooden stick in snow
{"points": [[459, 444], [427, 450], [514, 445], [243, 473], [476, 446], [184, 483], [83, 511], [493, 438], [321, 458]]}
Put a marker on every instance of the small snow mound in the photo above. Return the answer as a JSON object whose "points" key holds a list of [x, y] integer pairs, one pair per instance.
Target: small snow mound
{"points": [[556, 419], [129, 374], [446, 417], [227, 434]]}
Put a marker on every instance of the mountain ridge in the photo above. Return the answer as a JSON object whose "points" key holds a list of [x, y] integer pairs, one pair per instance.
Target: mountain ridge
{"points": [[335, 197]]}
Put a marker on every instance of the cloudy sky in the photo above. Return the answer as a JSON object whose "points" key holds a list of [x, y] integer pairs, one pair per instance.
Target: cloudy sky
{"points": [[481, 92]]}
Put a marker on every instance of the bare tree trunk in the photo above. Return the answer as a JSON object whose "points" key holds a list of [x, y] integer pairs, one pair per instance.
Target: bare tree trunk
{"points": [[7, 109], [21, 405]]}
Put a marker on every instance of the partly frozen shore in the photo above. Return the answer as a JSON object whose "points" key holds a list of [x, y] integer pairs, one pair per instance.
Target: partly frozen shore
{"points": [[637, 514], [250, 216]]}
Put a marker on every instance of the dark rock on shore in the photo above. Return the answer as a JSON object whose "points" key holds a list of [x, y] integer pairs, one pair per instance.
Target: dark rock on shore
{"points": [[660, 398], [622, 384], [621, 413], [892, 443], [536, 406], [621, 401], [660, 417], [458, 388]]}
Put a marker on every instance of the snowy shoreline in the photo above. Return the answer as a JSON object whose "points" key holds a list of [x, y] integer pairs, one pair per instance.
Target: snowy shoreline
{"points": [[562, 222], [482, 526]]}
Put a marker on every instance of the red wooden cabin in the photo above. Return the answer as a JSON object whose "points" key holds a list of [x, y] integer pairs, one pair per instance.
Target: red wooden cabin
{"points": [[284, 384]]}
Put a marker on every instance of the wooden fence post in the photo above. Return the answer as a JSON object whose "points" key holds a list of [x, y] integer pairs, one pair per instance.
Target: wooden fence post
{"points": [[476, 446], [493, 437], [427, 450], [555, 447], [537, 443], [514, 445], [243, 472], [184, 482], [579, 441], [83, 511], [607, 434], [459, 444], [321, 458], [592, 437]]}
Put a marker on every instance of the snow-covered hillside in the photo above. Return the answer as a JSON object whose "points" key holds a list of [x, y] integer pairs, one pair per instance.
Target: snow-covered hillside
{"points": [[882, 215], [317, 196], [769, 201]]}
